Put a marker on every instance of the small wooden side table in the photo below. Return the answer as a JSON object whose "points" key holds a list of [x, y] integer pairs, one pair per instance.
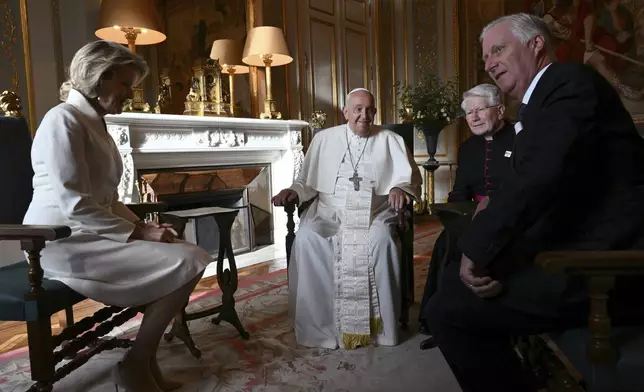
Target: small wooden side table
{"points": [[227, 279]]}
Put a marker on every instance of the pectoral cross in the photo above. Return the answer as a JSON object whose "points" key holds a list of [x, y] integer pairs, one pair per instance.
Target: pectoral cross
{"points": [[356, 181]]}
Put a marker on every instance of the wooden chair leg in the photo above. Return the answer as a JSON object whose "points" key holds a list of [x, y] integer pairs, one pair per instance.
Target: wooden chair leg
{"points": [[41, 354], [290, 226], [66, 317]]}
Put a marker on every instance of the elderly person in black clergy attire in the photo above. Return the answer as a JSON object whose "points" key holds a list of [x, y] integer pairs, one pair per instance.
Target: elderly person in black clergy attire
{"points": [[483, 162], [573, 131]]}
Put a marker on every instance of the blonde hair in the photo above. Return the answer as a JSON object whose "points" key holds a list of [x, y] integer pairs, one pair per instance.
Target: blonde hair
{"points": [[94, 60]]}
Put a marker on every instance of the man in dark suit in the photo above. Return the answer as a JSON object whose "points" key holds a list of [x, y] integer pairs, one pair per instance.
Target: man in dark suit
{"points": [[577, 183], [483, 162]]}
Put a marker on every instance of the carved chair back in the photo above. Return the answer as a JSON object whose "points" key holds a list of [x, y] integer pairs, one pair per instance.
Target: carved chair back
{"points": [[16, 173], [25, 295]]}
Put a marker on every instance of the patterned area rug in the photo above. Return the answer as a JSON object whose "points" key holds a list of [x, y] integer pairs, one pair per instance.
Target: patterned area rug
{"points": [[270, 360]]}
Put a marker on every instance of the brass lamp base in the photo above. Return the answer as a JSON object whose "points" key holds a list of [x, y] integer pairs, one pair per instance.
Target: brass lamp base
{"points": [[270, 112], [136, 104], [270, 116]]}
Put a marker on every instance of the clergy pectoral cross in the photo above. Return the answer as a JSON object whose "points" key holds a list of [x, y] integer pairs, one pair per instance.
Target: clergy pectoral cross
{"points": [[356, 181]]}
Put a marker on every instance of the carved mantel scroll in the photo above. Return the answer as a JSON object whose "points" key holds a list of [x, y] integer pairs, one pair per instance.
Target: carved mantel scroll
{"points": [[298, 152]]}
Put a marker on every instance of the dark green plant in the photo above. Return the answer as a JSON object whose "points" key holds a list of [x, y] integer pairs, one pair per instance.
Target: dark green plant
{"points": [[429, 101]]}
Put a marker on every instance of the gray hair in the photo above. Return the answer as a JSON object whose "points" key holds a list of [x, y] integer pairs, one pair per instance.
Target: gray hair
{"points": [[94, 60], [525, 27], [489, 92]]}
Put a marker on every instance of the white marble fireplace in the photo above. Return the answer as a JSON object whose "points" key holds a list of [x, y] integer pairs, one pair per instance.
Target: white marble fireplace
{"points": [[164, 142]]}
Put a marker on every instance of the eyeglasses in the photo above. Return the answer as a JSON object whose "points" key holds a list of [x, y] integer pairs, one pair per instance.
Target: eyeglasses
{"points": [[470, 113]]}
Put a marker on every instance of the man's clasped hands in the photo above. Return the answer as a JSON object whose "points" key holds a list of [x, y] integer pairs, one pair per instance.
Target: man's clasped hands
{"points": [[485, 286]]}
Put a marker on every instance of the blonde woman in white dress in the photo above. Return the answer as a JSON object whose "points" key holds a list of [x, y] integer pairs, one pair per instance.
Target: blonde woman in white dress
{"points": [[110, 256]]}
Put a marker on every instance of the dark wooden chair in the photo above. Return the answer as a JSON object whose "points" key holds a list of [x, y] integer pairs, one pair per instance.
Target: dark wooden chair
{"points": [[596, 358], [406, 131], [25, 295]]}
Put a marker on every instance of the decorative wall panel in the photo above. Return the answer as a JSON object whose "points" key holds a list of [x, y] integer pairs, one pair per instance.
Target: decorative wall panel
{"points": [[15, 57]]}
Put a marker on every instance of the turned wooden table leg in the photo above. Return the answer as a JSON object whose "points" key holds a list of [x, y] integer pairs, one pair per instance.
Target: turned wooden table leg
{"points": [[600, 349]]}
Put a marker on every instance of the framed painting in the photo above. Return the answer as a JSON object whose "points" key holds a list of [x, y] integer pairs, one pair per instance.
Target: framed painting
{"points": [[191, 27], [605, 34]]}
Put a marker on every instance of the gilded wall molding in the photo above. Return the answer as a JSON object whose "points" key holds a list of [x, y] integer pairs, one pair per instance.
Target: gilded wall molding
{"points": [[26, 49], [405, 43], [425, 36], [8, 43], [254, 19], [287, 99], [375, 22], [58, 41], [9, 48]]}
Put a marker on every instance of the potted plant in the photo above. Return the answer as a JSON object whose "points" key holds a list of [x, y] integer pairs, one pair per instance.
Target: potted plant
{"points": [[431, 105]]}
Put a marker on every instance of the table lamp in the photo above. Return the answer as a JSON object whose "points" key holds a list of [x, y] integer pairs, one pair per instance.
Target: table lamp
{"points": [[131, 22], [229, 54], [266, 47]]}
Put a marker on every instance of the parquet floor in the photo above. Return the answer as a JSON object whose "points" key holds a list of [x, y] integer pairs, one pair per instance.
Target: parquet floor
{"points": [[13, 334]]}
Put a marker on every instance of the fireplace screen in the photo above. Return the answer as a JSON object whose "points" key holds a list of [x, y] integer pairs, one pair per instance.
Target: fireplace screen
{"points": [[244, 188]]}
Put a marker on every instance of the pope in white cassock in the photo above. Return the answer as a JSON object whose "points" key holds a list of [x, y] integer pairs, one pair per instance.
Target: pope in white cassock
{"points": [[344, 272]]}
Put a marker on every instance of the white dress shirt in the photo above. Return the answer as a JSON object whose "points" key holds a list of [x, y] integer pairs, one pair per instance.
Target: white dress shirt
{"points": [[526, 97]]}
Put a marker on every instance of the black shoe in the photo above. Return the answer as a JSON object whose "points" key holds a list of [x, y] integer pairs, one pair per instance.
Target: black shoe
{"points": [[428, 343], [423, 329]]}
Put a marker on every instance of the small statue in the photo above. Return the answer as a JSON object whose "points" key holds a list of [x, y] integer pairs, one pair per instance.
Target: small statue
{"points": [[10, 104], [128, 106], [193, 94], [318, 118], [164, 98]]}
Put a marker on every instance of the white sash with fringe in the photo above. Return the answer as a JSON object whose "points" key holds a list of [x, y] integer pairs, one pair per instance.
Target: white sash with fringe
{"points": [[356, 302]]}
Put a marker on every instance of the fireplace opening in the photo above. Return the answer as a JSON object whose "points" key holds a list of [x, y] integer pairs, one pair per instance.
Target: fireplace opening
{"points": [[244, 188]]}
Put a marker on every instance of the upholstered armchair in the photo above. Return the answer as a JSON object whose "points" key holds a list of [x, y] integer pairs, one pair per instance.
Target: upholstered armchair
{"points": [[596, 358], [406, 233], [25, 295]]}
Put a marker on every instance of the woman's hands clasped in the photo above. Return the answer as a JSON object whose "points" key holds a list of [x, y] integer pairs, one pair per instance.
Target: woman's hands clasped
{"points": [[154, 232]]}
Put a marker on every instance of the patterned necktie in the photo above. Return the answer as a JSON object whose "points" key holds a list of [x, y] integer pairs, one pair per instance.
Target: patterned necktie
{"points": [[521, 111]]}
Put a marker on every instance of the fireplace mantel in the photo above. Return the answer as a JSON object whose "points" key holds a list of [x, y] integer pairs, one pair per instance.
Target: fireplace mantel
{"points": [[160, 141]]}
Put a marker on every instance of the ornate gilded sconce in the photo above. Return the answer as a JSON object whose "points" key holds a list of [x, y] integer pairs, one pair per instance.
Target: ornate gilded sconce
{"points": [[318, 119], [10, 104]]}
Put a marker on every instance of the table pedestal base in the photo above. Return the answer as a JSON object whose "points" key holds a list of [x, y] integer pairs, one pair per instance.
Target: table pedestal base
{"points": [[227, 280]]}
